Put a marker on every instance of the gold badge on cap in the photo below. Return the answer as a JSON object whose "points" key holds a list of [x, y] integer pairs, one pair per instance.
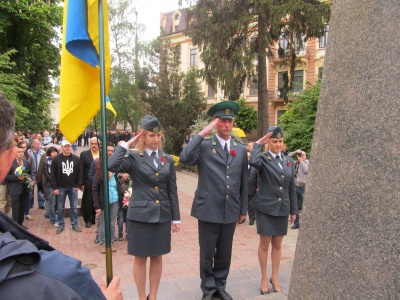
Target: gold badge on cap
{"points": [[278, 135], [155, 129], [227, 111]]}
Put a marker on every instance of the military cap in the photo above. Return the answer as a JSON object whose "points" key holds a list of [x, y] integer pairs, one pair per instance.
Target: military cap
{"points": [[150, 123], [277, 132], [224, 110]]}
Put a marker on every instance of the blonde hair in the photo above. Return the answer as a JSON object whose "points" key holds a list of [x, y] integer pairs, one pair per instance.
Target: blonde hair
{"points": [[141, 146]]}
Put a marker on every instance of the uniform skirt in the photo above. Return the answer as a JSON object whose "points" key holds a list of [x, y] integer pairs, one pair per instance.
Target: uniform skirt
{"points": [[271, 225], [148, 239]]}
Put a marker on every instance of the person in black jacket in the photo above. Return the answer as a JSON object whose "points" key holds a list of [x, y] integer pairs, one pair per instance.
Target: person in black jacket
{"points": [[51, 198], [86, 158], [17, 185], [66, 180]]}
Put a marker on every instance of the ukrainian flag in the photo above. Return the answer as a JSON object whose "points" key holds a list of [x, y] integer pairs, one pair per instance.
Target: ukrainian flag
{"points": [[80, 72]]}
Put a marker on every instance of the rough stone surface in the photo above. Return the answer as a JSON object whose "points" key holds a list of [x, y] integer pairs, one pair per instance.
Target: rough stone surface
{"points": [[348, 245]]}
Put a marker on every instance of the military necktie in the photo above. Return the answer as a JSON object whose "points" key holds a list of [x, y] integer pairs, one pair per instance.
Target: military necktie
{"points": [[226, 151], [155, 159], [278, 158]]}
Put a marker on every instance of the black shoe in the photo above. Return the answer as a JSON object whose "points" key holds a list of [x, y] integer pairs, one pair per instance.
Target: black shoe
{"points": [[264, 292], [223, 295], [76, 228], [24, 227], [88, 224], [295, 226], [207, 297], [96, 240], [251, 222], [120, 238], [59, 230], [270, 280]]}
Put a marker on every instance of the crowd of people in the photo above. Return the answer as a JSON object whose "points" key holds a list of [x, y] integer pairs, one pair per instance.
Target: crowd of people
{"points": [[233, 180], [27, 260], [48, 160]]}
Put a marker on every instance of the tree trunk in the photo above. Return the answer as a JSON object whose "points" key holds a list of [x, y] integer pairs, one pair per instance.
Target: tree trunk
{"points": [[262, 77]]}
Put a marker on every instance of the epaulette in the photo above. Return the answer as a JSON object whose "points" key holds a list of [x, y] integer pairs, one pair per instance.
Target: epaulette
{"points": [[239, 142]]}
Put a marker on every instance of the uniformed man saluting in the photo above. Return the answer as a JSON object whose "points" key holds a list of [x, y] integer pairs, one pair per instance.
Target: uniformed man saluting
{"points": [[221, 197]]}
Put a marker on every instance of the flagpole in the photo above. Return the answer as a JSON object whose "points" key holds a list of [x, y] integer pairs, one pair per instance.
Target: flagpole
{"points": [[109, 272]]}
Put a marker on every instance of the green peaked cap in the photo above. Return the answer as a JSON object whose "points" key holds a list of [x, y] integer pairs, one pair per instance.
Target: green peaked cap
{"points": [[224, 110]]}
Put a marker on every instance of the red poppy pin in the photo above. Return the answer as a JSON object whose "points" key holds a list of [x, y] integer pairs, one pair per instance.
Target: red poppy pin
{"points": [[288, 163], [233, 152], [163, 159]]}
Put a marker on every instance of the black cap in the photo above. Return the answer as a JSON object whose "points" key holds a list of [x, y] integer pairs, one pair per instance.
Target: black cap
{"points": [[277, 132], [150, 123], [224, 110]]}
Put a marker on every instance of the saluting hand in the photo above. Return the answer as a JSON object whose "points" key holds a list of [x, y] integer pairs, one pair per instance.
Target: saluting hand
{"points": [[206, 131], [265, 139], [134, 141]]}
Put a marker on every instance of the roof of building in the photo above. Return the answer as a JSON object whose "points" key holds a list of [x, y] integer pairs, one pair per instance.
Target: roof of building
{"points": [[169, 24]]}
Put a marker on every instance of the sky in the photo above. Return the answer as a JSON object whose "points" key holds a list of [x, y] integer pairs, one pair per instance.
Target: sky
{"points": [[149, 14]]}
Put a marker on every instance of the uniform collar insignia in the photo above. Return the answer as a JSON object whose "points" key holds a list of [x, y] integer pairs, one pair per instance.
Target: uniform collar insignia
{"points": [[141, 153], [234, 143], [269, 157], [214, 143], [284, 158]]}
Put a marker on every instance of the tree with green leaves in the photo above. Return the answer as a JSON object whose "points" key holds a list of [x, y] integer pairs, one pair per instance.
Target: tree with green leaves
{"points": [[246, 118], [298, 121], [12, 85], [235, 39], [30, 28], [126, 87], [174, 97]]}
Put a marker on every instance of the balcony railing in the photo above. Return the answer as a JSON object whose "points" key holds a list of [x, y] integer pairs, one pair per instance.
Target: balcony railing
{"points": [[279, 53]]}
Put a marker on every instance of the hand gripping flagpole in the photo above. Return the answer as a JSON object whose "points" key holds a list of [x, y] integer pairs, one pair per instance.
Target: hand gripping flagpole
{"points": [[109, 272]]}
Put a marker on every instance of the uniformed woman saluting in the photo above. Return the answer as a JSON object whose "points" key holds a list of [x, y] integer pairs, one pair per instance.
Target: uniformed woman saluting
{"points": [[154, 202], [274, 202]]}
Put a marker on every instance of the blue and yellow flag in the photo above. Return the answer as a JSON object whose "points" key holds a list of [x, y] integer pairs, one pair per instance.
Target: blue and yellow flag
{"points": [[80, 71]]}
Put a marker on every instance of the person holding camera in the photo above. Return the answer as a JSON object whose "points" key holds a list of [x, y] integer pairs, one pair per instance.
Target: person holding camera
{"points": [[300, 173]]}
